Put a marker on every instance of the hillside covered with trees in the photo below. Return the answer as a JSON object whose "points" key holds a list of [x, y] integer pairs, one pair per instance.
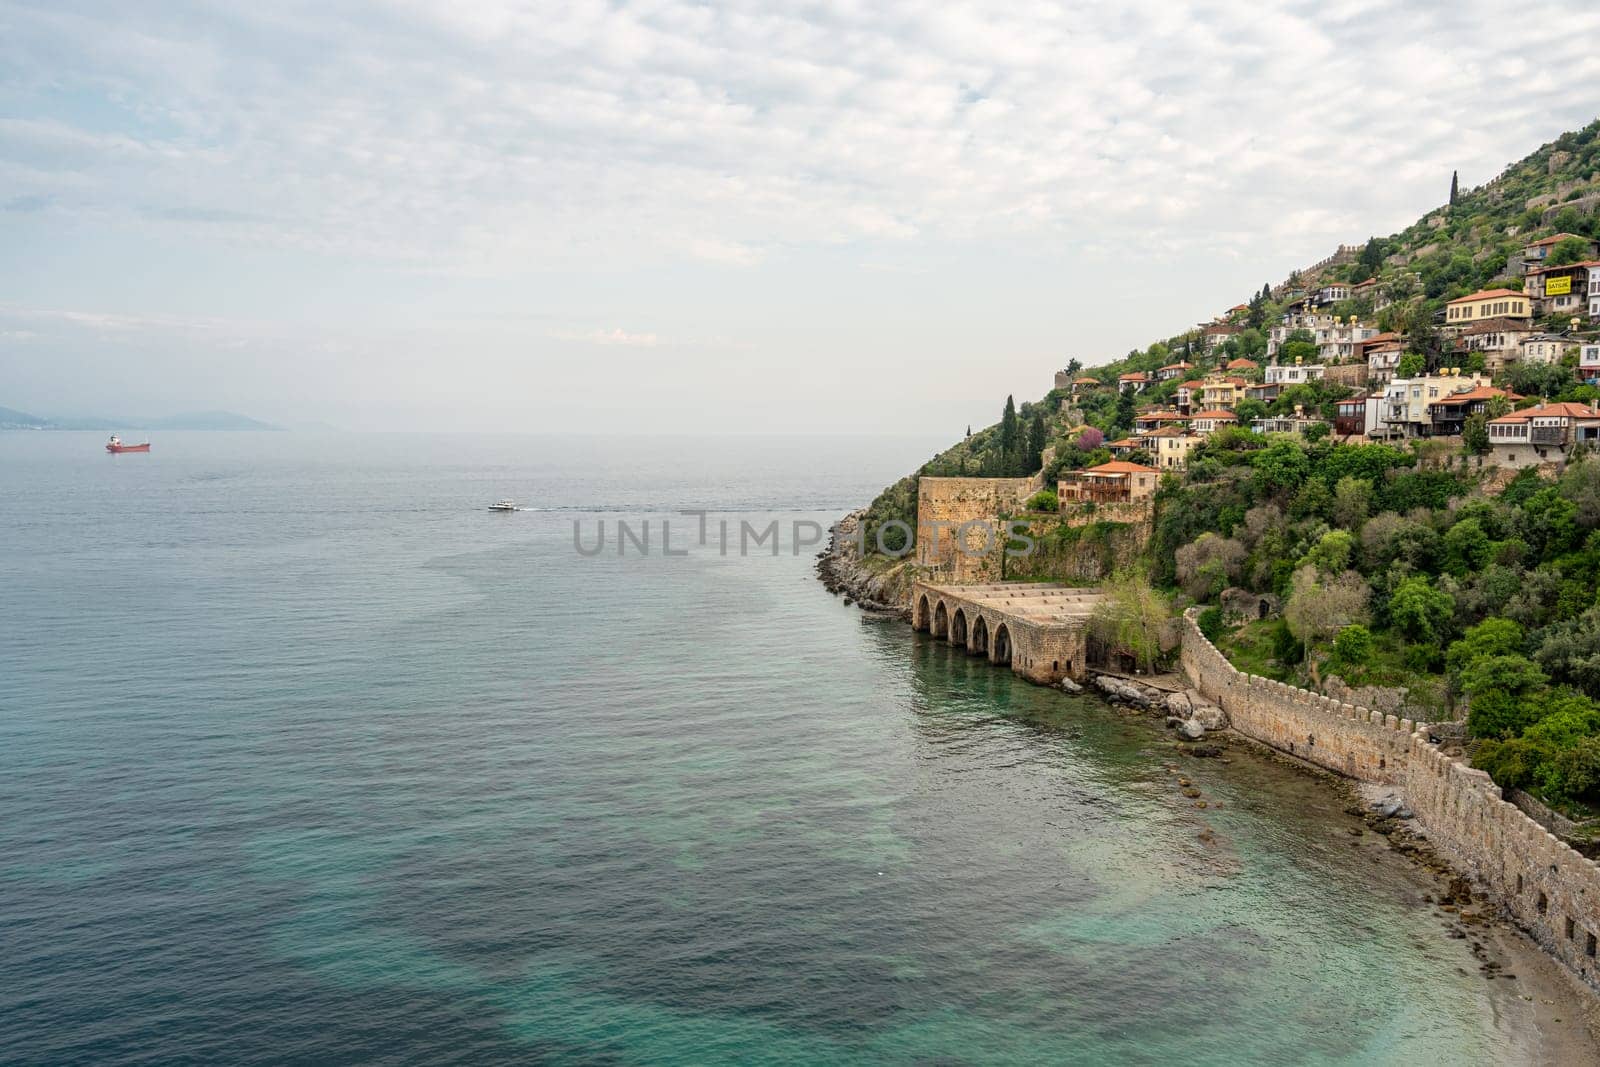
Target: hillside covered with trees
{"points": [[1397, 564]]}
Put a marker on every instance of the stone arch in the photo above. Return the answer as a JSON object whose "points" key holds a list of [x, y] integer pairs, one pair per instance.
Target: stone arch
{"points": [[1001, 652], [1263, 609], [980, 636], [919, 614], [958, 627], [941, 621]]}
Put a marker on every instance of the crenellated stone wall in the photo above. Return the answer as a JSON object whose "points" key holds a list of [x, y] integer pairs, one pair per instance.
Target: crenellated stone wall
{"points": [[1547, 887], [1344, 738]]}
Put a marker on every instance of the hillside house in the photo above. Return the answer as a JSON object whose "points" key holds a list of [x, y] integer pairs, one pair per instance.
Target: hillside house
{"points": [[1295, 374], [1173, 370], [1499, 339], [1242, 365], [1150, 421], [1406, 407], [1187, 394], [1222, 392], [1487, 304], [1338, 342], [1331, 293], [1169, 447], [1135, 382], [1383, 359], [1542, 433], [1562, 291], [1536, 253], [1217, 334], [1212, 420], [1589, 362], [1116, 482], [1296, 424], [1545, 348]]}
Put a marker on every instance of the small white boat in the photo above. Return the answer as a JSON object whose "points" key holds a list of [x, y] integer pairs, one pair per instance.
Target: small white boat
{"points": [[504, 505]]}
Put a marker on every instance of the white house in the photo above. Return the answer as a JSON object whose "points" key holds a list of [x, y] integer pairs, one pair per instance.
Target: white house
{"points": [[1294, 374], [1544, 348], [1589, 362]]}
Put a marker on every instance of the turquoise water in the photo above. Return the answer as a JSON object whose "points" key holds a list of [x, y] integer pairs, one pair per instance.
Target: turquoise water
{"points": [[306, 757]]}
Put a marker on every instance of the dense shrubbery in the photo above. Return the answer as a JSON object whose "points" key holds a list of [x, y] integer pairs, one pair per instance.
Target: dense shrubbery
{"points": [[1387, 568]]}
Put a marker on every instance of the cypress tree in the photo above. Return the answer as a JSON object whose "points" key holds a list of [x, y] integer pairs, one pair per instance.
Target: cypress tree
{"points": [[1455, 188], [1010, 440], [1035, 443]]}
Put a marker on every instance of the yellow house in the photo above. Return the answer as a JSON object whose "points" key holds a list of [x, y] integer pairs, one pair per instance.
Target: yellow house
{"points": [[1487, 304], [1223, 392], [1170, 447]]}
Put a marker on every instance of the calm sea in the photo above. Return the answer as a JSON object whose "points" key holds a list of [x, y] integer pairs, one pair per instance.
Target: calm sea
{"points": [[305, 756]]}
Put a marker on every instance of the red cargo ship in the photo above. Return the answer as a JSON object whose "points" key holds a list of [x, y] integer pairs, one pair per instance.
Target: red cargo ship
{"points": [[115, 446]]}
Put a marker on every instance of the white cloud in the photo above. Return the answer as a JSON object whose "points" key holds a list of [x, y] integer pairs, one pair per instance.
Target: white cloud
{"points": [[480, 133], [613, 336]]}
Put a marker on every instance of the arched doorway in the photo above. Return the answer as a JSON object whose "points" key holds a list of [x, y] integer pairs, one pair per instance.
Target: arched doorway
{"points": [[980, 637], [919, 617], [941, 620], [958, 628], [1002, 645]]}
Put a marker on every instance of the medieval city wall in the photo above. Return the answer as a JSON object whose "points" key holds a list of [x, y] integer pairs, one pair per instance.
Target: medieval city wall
{"points": [[1547, 887]]}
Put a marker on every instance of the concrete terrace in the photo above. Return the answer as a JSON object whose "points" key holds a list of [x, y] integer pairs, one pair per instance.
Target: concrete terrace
{"points": [[1037, 629]]}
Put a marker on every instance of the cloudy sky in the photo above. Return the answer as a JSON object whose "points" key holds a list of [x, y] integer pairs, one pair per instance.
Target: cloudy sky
{"points": [[721, 216]]}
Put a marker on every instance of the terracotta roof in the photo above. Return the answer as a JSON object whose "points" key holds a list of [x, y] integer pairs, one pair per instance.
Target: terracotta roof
{"points": [[1178, 366], [1121, 466], [1497, 324], [1566, 410], [1242, 364], [1086, 381], [1222, 327], [1159, 416], [1469, 396], [1126, 442], [1169, 431], [1380, 338], [1136, 376], [1215, 413], [1239, 307], [1485, 294], [1554, 240], [1369, 281], [1565, 266], [1191, 385]]}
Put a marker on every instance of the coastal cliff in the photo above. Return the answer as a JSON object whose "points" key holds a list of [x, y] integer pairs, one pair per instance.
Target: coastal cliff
{"points": [[874, 582]]}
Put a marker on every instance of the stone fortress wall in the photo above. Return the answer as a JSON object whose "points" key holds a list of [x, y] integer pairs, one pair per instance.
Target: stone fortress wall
{"points": [[1548, 888], [954, 501]]}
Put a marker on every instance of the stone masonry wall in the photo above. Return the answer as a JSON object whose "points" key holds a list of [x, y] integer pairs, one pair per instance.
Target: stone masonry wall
{"points": [[1547, 887], [1343, 738], [961, 500]]}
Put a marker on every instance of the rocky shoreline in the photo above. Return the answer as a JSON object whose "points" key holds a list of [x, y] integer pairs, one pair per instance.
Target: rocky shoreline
{"points": [[844, 573]]}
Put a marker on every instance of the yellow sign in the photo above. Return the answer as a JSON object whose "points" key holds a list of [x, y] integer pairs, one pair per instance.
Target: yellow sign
{"points": [[1558, 286]]}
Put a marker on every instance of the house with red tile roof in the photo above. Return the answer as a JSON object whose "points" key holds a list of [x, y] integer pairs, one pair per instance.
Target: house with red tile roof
{"points": [[1542, 433], [1486, 304], [1116, 482]]}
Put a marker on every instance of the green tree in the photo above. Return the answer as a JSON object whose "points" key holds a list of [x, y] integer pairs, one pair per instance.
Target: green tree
{"points": [[1036, 442], [1010, 440], [1352, 646], [1419, 611], [1566, 251], [1320, 606], [1412, 365], [1352, 502], [1280, 468], [1132, 616], [1455, 190], [1475, 433]]}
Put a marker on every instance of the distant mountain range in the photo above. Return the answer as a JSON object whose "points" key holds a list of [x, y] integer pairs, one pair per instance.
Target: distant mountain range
{"points": [[11, 419]]}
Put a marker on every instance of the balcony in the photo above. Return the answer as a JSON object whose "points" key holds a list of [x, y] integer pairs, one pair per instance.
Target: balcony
{"points": [[1548, 435]]}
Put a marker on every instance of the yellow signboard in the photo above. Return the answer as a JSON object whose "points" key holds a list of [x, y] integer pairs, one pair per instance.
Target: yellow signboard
{"points": [[1558, 286]]}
